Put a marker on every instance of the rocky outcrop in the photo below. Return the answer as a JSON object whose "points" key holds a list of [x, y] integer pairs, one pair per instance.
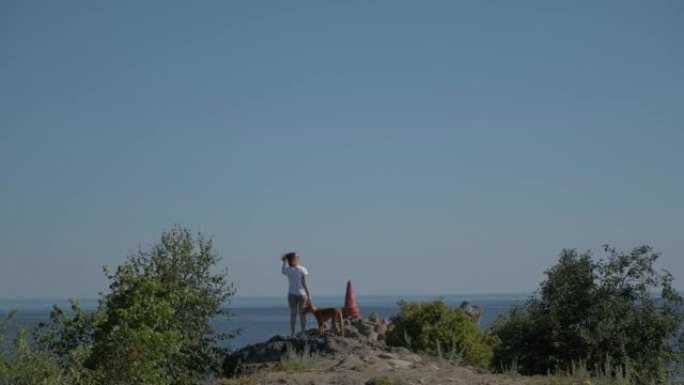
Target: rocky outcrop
{"points": [[362, 348], [372, 327]]}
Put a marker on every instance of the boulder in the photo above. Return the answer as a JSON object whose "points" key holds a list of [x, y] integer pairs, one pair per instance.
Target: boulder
{"points": [[351, 362], [372, 336], [472, 310], [374, 317], [257, 356], [351, 332], [363, 326], [381, 330]]}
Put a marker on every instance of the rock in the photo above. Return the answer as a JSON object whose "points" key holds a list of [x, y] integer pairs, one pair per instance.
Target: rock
{"points": [[372, 335], [412, 357], [373, 363], [256, 356], [387, 356], [351, 332], [472, 310], [400, 364], [352, 362], [400, 350], [374, 317], [362, 348], [362, 326], [381, 329]]}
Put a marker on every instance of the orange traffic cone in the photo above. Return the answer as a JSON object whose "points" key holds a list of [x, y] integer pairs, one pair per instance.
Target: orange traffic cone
{"points": [[350, 310]]}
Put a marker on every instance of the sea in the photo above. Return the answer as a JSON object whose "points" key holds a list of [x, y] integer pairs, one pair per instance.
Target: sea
{"points": [[258, 319]]}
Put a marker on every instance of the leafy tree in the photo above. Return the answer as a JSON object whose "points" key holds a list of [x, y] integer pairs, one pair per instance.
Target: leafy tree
{"points": [[636, 328], [153, 326], [136, 340], [436, 329], [605, 312]]}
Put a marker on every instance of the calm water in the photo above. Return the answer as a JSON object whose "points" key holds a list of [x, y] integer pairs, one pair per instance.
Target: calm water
{"points": [[262, 318]]}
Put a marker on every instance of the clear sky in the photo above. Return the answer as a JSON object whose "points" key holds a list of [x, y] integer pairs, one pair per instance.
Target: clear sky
{"points": [[412, 147]]}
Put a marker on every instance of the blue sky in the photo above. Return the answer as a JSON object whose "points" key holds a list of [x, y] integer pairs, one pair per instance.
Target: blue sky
{"points": [[412, 147]]}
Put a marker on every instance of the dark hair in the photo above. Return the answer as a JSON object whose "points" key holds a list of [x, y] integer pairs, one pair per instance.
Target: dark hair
{"points": [[290, 257]]}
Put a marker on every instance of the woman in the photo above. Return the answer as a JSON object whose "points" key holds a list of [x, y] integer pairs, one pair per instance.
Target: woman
{"points": [[298, 292]]}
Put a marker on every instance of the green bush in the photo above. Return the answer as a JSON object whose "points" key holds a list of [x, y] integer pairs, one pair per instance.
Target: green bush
{"points": [[152, 327], [435, 329], [22, 363], [619, 311]]}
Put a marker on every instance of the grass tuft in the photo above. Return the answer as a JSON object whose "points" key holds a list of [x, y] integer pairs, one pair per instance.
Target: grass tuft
{"points": [[450, 357], [292, 360]]}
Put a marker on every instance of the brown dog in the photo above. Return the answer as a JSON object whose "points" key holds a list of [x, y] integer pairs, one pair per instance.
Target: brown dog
{"points": [[323, 315]]}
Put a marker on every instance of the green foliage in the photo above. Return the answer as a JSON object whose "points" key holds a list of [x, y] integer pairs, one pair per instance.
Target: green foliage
{"points": [[434, 328], [598, 312], [152, 327], [22, 363], [68, 335], [136, 341]]}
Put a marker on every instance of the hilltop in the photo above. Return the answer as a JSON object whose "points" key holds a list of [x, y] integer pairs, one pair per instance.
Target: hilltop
{"points": [[361, 357]]}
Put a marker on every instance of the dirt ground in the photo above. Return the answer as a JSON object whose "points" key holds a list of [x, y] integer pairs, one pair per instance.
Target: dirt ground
{"points": [[412, 376]]}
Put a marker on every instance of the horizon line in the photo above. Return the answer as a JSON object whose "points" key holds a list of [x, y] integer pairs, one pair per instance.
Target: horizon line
{"points": [[273, 296]]}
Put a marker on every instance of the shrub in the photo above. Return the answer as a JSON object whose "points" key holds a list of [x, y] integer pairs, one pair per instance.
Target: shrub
{"points": [[152, 327], [21, 363], [434, 328], [598, 312]]}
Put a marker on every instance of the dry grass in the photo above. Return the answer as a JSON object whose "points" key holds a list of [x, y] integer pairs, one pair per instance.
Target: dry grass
{"points": [[293, 361]]}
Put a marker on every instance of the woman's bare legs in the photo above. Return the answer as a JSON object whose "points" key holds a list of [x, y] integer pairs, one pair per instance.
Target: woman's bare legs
{"points": [[302, 318], [293, 320]]}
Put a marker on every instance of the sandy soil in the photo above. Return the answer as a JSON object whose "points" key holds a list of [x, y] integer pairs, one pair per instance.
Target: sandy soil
{"points": [[458, 376], [413, 376]]}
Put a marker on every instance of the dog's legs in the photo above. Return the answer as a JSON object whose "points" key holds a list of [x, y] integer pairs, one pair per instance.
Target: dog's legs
{"points": [[340, 326]]}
